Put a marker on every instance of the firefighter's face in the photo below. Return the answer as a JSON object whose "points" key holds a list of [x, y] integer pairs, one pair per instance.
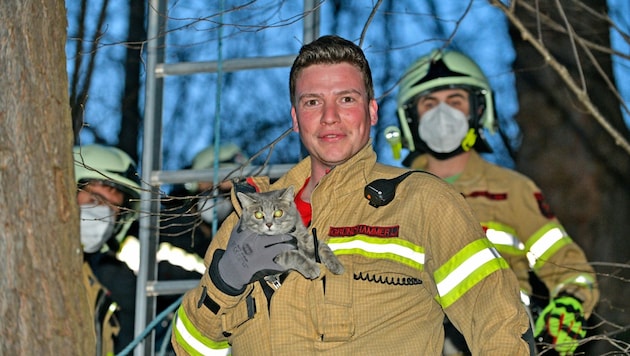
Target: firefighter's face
{"points": [[333, 114], [455, 98], [96, 193]]}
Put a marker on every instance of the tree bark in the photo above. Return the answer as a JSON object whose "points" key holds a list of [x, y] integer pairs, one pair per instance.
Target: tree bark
{"points": [[131, 116], [579, 167], [43, 305]]}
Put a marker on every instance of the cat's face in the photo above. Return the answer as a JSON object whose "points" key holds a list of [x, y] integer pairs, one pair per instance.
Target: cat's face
{"points": [[269, 213]]}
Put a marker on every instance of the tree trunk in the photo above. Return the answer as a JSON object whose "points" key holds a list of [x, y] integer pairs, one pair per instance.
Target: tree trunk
{"points": [[581, 170], [131, 116], [43, 305]]}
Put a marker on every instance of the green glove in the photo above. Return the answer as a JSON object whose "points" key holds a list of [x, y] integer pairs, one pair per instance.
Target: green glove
{"points": [[560, 323]]}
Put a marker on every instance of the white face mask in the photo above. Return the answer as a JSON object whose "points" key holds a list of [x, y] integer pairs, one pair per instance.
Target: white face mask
{"points": [[443, 128], [207, 206], [97, 226]]}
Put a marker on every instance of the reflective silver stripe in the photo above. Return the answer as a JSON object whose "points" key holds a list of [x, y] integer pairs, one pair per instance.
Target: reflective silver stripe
{"points": [[584, 280], [466, 269], [503, 238], [376, 248], [196, 344], [543, 244], [180, 257], [525, 299], [130, 254]]}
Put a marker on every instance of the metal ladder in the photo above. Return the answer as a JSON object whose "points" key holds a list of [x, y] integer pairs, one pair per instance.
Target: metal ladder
{"points": [[148, 287]]}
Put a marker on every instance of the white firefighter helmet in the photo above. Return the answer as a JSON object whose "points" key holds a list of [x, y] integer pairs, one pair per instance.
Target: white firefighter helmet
{"points": [[445, 69], [230, 155], [113, 167]]}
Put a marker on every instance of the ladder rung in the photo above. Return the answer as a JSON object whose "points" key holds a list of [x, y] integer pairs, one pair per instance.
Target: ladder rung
{"points": [[155, 288]]}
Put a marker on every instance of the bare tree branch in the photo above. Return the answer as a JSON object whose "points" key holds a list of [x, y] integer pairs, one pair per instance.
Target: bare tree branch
{"points": [[562, 71]]}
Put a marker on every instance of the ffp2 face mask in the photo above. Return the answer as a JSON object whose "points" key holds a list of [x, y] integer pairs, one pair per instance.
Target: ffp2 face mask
{"points": [[97, 226], [443, 128]]}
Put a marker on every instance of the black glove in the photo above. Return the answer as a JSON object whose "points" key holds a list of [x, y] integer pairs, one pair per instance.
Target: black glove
{"points": [[248, 257]]}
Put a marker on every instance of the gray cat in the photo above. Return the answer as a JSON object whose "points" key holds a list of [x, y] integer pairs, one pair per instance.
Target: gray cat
{"points": [[273, 213]]}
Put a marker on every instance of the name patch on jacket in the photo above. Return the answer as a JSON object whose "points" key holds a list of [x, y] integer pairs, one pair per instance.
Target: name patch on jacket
{"points": [[487, 194], [374, 231]]}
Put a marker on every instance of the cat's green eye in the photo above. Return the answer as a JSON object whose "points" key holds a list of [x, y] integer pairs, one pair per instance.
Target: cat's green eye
{"points": [[259, 215], [278, 213]]}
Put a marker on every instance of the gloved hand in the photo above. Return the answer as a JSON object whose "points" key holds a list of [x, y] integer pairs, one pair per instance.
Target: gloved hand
{"points": [[248, 257], [560, 323]]}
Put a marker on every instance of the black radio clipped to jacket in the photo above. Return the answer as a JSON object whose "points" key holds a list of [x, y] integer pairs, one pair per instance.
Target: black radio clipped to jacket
{"points": [[382, 191]]}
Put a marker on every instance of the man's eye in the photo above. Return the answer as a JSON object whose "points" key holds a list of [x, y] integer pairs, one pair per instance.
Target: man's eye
{"points": [[424, 107], [455, 103], [347, 99], [311, 102], [96, 200]]}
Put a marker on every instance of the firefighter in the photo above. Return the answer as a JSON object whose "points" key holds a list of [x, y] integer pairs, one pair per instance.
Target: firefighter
{"points": [[209, 203], [108, 197], [187, 219], [188, 214], [410, 258], [444, 104]]}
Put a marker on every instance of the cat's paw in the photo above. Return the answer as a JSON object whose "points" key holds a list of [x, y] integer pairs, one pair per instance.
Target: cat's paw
{"points": [[334, 266], [329, 259], [310, 271]]}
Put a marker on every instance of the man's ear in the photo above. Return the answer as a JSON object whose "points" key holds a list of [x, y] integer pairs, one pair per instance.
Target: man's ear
{"points": [[296, 127], [373, 111]]}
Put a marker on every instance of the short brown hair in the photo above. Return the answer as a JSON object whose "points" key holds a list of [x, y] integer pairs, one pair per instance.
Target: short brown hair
{"points": [[331, 49]]}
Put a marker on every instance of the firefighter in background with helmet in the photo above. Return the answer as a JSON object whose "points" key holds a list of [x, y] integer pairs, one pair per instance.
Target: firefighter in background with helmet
{"points": [[186, 220], [230, 156], [108, 197], [444, 103], [186, 223]]}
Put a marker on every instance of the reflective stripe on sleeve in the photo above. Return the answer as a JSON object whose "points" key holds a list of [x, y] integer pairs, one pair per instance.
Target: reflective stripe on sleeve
{"points": [[504, 238], [583, 280], [544, 243], [393, 249], [191, 340], [468, 267]]}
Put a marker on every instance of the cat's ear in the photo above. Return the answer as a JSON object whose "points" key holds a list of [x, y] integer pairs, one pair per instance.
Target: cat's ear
{"points": [[244, 199], [288, 194]]}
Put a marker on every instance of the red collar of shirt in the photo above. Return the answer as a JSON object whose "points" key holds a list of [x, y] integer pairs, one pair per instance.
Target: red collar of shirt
{"points": [[303, 207]]}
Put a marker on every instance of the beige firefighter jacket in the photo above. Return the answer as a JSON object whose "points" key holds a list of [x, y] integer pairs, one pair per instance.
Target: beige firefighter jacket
{"points": [[105, 326], [407, 264], [517, 219]]}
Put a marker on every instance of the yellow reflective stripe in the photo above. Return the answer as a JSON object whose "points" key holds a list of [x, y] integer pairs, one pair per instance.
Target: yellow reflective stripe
{"points": [[191, 340], [504, 238], [544, 243], [468, 267], [393, 249]]}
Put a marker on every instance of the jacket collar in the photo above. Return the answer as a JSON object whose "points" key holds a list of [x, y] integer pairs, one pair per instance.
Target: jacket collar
{"points": [[342, 179], [472, 170]]}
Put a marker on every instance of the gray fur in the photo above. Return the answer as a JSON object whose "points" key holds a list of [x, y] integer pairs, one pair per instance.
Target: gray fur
{"points": [[289, 222]]}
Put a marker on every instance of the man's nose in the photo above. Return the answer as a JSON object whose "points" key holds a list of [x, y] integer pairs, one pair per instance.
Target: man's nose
{"points": [[330, 114]]}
